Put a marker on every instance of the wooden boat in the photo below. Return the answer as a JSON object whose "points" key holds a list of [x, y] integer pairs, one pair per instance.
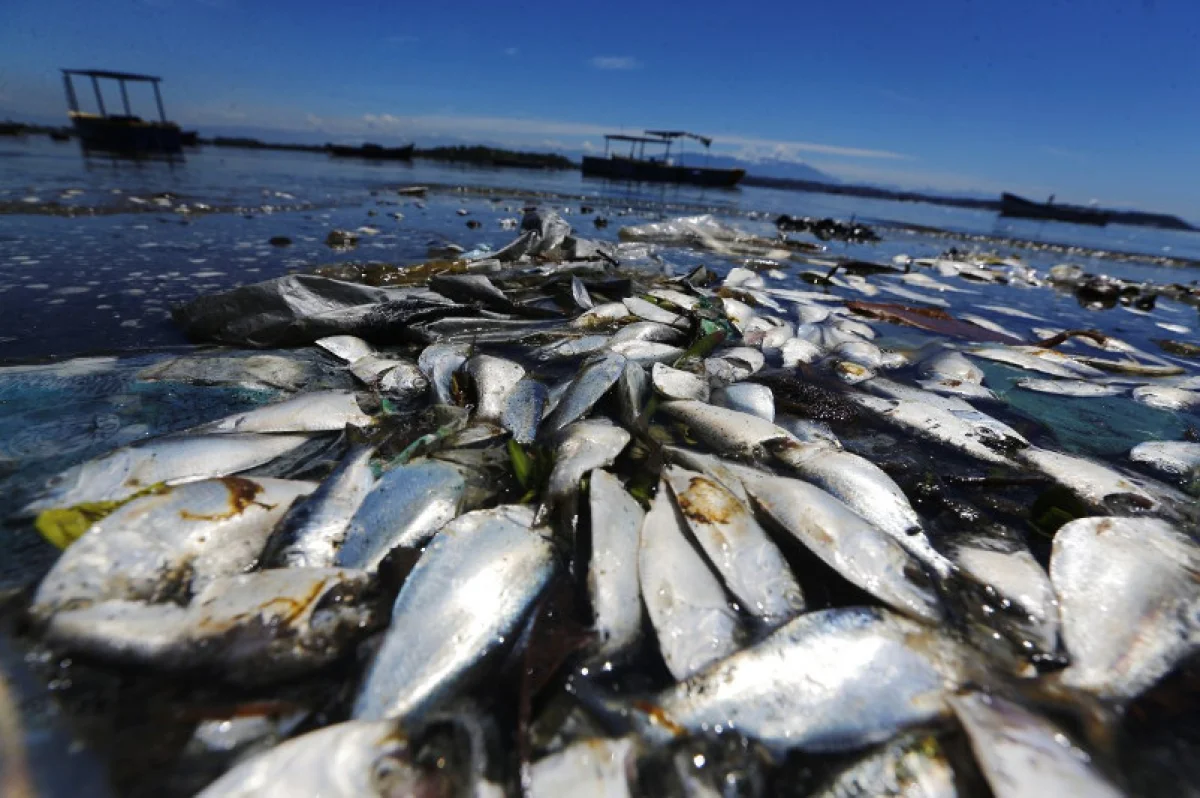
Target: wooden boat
{"points": [[373, 152], [1018, 207], [126, 132], [637, 167]]}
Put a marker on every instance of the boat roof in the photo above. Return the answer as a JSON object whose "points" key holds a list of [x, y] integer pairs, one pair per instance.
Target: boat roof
{"points": [[623, 137], [104, 73], [675, 134]]}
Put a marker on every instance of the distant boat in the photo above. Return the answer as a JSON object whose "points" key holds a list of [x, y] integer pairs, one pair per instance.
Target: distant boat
{"points": [[372, 151], [120, 132], [636, 166], [1013, 206]]}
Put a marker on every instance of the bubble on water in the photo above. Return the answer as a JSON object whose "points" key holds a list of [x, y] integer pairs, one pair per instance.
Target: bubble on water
{"points": [[131, 323], [38, 286], [73, 289], [134, 291]]}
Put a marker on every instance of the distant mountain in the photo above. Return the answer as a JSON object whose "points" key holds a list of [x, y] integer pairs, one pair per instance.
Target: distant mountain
{"points": [[769, 167]]}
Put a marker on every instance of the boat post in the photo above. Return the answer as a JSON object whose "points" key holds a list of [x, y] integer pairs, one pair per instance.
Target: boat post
{"points": [[162, 115], [72, 100], [99, 97], [125, 97]]}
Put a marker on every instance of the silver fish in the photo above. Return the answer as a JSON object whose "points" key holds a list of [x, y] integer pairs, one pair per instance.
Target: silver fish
{"points": [[948, 364], [403, 380], [807, 431], [464, 600], [406, 507], [910, 766], [730, 474], [370, 369], [647, 352], [747, 560], [1034, 358], [1067, 387], [1129, 601], [734, 364], [602, 315], [861, 552], [867, 490], [746, 397], [255, 627], [685, 301], [673, 383], [579, 293], [594, 768], [319, 411], [314, 528], [1090, 481], [253, 371], [581, 447], [649, 331], [959, 388], [649, 311], [797, 350], [354, 759], [169, 543], [594, 380], [1179, 458], [1022, 754], [727, 431], [612, 571], [1017, 589], [126, 471], [937, 423], [1166, 397], [830, 680], [571, 347], [524, 409], [633, 392], [686, 604], [439, 362], [345, 347], [494, 379]]}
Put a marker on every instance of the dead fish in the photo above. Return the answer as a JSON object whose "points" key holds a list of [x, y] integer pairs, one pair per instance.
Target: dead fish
{"points": [[989, 324], [253, 371], [594, 379], [647, 352], [168, 543], [571, 347], [464, 600], [318, 411], [727, 431], [581, 447], [959, 388], [1017, 590], [866, 489], [524, 409], [938, 423], [649, 331], [616, 523], [579, 293], [807, 431], [1044, 361], [850, 373], [746, 397], [747, 560], [1166, 397], [794, 689], [859, 551], [797, 350], [728, 473], [734, 365], [671, 383], [348, 348], [439, 362], [649, 311], [602, 315], [910, 766], [126, 471], [494, 379], [594, 768], [313, 529], [950, 365], [1129, 601], [1178, 458], [1022, 754], [353, 759], [370, 369], [405, 508], [1066, 387], [686, 604], [862, 353], [633, 392], [678, 298], [403, 380], [1096, 484], [254, 627]]}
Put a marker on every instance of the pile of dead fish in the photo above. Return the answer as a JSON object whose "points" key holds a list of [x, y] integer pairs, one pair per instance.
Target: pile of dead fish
{"points": [[742, 588]]}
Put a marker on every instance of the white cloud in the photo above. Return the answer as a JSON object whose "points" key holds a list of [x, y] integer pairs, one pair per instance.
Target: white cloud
{"points": [[756, 149], [615, 62], [511, 51]]}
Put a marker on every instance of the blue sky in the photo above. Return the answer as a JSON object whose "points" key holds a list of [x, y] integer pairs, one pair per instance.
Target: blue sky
{"points": [[1090, 99]]}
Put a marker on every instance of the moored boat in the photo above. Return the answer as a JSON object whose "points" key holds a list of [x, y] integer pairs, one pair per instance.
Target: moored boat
{"points": [[126, 132], [637, 167]]}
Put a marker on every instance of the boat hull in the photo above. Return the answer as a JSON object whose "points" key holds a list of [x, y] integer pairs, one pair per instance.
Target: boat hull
{"points": [[630, 169], [1020, 208], [127, 134]]}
